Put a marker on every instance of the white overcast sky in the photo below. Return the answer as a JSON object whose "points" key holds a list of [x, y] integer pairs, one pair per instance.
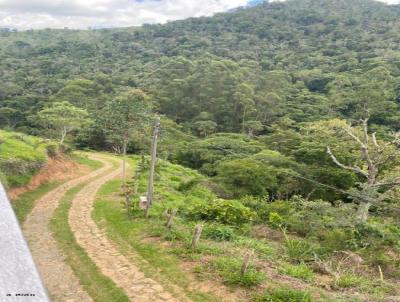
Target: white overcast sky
{"points": [[25, 14]]}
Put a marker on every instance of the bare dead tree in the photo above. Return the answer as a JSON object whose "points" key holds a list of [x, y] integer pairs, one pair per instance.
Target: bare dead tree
{"points": [[375, 156]]}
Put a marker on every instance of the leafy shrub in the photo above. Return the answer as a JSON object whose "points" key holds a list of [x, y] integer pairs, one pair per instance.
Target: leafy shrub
{"points": [[313, 218], [275, 220], [52, 150], [285, 295], [219, 232], [336, 239], [65, 149], [301, 271], [229, 212], [188, 185], [229, 269], [264, 208]]}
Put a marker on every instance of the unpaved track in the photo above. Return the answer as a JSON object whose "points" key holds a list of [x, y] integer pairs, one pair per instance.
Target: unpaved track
{"points": [[58, 277], [103, 252]]}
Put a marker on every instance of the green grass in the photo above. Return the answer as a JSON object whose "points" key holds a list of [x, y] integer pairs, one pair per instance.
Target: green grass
{"points": [[229, 269], [99, 287], [83, 159], [301, 271], [24, 204], [20, 157], [285, 295]]}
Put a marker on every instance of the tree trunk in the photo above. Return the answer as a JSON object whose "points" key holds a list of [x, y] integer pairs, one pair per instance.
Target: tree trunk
{"points": [[124, 147], [63, 135], [362, 211]]}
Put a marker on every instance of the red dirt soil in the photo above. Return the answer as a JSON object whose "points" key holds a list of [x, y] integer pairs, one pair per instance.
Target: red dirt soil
{"points": [[56, 169]]}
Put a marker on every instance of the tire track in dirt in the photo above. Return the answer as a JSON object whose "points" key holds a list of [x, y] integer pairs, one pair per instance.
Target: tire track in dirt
{"points": [[58, 277], [104, 254]]}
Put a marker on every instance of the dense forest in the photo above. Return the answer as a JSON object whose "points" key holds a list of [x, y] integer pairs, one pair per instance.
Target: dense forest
{"points": [[291, 108], [269, 73]]}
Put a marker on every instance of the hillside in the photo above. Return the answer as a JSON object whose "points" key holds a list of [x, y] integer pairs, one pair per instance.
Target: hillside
{"points": [[277, 132], [21, 156], [305, 60]]}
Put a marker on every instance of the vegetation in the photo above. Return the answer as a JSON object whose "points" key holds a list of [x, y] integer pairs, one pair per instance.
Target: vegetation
{"points": [[99, 287], [24, 204], [279, 135], [21, 156], [310, 244]]}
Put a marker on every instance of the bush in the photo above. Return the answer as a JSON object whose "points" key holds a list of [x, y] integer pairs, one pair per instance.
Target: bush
{"points": [[264, 208], [52, 150], [219, 232], [301, 271], [229, 212], [229, 269], [285, 295], [188, 185], [275, 220]]}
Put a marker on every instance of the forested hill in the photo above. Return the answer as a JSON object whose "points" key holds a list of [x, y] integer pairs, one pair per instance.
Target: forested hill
{"points": [[301, 59]]}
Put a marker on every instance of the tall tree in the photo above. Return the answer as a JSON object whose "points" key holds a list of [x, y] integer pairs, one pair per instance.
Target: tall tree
{"points": [[375, 165], [123, 116], [64, 118]]}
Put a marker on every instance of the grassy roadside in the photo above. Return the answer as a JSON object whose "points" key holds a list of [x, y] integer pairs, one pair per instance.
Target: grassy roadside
{"points": [[25, 203], [153, 261], [99, 287], [83, 159], [279, 264]]}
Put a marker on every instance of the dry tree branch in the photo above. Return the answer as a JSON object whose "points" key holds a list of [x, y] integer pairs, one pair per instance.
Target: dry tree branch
{"points": [[337, 162], [374, 140]]}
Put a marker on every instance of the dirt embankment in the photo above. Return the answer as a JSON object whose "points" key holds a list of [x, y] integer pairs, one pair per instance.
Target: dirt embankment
{"points": [[56, 169]]}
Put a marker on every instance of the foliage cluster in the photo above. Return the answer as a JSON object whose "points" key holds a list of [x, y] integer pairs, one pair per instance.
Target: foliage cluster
{"points": [[20, 157]]}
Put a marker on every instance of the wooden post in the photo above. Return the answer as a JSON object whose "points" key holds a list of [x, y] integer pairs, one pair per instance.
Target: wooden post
{"points": [[246, 262], [380, 273], [171, 218], [128, 202], [124, 150], [150, 186], [196, 235]]}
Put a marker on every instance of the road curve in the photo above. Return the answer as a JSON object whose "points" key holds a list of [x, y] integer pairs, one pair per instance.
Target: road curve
{"points": [[103, 252], [57, 276]]}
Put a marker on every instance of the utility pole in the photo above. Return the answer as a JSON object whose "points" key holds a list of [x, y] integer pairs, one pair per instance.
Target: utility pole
{"points": [[150, 186]]}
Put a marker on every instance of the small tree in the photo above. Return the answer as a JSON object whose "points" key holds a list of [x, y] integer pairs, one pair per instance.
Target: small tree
{"points": [[122, 116], [375, 166], [205, 128], [64, 118]]}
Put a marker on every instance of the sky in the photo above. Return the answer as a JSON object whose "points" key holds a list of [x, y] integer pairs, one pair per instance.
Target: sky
{"points": [[26, 14]]}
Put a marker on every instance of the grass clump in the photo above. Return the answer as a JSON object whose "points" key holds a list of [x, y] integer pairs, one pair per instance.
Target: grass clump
{"points": [[219, 232], [299, 250], [229, 269], [300, 271], [285, 295], [349, 281]]}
